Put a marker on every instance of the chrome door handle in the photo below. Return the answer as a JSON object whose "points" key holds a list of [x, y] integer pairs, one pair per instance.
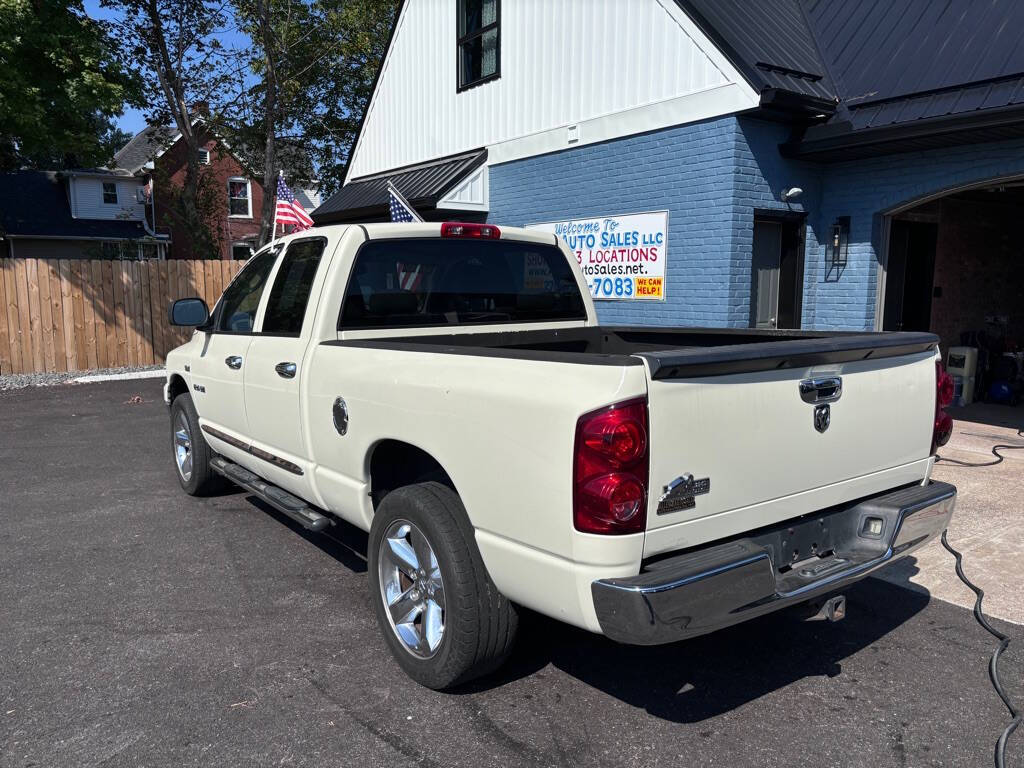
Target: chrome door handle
{"points": [[826, 390], [234, 362], [285, 370]]}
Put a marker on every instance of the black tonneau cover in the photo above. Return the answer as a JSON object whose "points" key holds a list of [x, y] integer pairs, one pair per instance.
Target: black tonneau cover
{"points": [[669, 352]]}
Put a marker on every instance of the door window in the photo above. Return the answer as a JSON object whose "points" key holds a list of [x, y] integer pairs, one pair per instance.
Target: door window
{"points": [[238, 305], [288, 298]]}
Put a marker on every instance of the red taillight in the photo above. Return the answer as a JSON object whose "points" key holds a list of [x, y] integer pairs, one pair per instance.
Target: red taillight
{"points": [[942, 429], [943, 386], [465, 229], [610, 470]]}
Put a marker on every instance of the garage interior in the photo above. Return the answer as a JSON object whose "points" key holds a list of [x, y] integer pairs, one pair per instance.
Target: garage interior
{"points": [[956, 268]]}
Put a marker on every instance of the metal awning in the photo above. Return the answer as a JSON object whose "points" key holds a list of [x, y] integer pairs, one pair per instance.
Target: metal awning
{"points": [[423, 185]]}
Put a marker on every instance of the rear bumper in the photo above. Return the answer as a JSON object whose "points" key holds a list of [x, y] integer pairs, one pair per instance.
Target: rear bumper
{"points": [[707, 589]]}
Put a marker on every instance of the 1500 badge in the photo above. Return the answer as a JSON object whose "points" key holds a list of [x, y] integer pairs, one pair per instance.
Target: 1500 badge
{"points": [[679, 494]]}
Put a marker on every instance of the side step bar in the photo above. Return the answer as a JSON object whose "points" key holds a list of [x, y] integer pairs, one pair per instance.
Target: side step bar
{"points": [[279, 499]]}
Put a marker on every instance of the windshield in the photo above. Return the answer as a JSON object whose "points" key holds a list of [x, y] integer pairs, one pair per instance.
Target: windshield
{"points": [[431, 282]]}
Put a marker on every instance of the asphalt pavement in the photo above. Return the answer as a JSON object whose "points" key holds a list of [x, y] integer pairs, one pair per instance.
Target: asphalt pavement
{"points": [[141, 627]]}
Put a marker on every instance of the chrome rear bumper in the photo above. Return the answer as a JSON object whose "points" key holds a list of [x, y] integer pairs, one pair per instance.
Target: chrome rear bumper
{"points": [[704, 590]]}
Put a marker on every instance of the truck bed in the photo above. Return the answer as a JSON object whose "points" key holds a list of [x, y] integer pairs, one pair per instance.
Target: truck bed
{"points": [[669, 352]]}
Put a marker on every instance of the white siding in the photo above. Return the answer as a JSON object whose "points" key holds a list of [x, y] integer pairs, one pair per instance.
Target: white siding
{"points": [[87, 199], [471, 195], [607, 67]]}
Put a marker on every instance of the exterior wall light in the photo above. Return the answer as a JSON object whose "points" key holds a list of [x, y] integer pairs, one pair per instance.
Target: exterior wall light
{"points": [[838, 242], [791, 194]]}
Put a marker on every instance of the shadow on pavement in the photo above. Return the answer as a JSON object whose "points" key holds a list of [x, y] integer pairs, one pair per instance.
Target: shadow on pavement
{"points": [[344, 542], [694, 680], [992, 414]]}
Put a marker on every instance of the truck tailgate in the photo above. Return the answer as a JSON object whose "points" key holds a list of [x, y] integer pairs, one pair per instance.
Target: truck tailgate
{"points": [[751, 437]]}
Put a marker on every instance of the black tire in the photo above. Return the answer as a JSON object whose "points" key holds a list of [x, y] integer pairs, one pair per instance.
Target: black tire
{"points": [[480, 623], [202, 480]]}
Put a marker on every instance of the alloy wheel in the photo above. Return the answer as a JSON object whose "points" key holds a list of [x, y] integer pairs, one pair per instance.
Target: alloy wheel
{"points": [[412, 588]]}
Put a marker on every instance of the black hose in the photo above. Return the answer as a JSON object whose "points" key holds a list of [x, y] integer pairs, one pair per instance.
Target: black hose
{"points": [[995, 452], [993, 664]]}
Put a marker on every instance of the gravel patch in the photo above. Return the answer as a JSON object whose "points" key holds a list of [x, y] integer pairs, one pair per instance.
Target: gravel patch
{"points": [[22, 380]]}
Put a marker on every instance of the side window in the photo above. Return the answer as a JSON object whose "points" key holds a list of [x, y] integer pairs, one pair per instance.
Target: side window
{"points": [[286, 307], [238, 305]]}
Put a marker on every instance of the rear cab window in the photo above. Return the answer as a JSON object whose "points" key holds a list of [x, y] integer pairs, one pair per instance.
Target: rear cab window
{"points": [[402, 283]]}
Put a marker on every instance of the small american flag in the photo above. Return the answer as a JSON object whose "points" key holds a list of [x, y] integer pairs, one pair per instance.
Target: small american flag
{"points": [[399, 206], [289, 212]]}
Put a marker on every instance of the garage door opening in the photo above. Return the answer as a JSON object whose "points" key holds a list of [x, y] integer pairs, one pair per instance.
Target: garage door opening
{"points": [[955, 267]]}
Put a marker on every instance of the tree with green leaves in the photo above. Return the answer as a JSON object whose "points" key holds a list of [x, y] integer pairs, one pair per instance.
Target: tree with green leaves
{"points": [[63, 81], [176, 45], [312, 64]]}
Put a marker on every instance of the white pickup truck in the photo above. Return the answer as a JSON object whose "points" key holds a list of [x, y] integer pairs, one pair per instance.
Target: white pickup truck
{"points": [[448, 388]]}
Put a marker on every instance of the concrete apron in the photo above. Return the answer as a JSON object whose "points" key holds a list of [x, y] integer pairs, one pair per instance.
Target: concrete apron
{"points": [[988, 526]]}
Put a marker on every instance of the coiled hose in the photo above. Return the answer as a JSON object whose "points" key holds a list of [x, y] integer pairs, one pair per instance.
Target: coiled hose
{"points": [[1004, 641]]}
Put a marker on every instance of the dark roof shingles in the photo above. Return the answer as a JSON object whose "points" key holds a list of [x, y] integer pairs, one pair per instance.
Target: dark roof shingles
{"points": [[35, 203], [423, 183]]}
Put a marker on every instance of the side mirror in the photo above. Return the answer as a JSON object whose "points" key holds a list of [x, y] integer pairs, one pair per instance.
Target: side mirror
{"points": [[189, 312]]}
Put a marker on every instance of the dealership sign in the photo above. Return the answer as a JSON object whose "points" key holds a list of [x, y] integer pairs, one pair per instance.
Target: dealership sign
{"points": [[622, 257]]}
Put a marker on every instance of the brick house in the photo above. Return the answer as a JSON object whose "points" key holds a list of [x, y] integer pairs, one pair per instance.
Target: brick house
{"points": [[238, 190], [801, 164]]}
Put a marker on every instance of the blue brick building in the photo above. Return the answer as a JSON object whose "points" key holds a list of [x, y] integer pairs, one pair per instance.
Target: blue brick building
{"points": [[820, 165]]}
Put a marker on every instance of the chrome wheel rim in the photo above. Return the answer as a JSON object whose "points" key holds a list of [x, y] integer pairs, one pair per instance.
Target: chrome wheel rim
{"points": [[412, 589], [183, 447]]}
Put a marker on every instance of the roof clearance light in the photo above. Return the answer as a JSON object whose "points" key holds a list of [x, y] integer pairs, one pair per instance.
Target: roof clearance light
{"points": [[465, 229]]}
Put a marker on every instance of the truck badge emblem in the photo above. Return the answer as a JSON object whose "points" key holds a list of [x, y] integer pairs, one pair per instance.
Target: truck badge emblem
{"points": [[679, 494], [822, 417]]}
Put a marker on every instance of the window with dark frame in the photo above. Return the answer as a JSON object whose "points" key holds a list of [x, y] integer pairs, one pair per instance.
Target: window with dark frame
{"points": [[479, 50], [110, 192], [398, 283]]}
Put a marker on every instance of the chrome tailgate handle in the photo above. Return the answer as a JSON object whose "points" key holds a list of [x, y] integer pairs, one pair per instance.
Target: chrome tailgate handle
{"points": [[824, 390], [285, 370]]}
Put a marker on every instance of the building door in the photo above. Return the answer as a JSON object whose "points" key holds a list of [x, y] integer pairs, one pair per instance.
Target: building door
{"points": [[910, 274], [776, 273]]}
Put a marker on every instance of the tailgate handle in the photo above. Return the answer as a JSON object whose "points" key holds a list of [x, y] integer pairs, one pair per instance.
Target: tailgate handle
{"points": [[826, 390]]}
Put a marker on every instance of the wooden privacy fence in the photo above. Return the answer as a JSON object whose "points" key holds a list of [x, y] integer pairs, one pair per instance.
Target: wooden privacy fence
{"points": [[79, 314]]}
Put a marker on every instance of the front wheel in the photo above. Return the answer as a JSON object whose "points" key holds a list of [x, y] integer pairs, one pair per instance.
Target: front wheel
{"points": [[191, 453], [441, 615]]}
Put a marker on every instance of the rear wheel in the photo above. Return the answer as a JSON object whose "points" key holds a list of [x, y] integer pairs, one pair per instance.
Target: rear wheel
{"points": [[191, 453], [441, 615]]}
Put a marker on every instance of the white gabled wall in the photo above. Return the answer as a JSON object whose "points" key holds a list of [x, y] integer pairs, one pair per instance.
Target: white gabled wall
{"points": [[609, 67], [87, 199]]}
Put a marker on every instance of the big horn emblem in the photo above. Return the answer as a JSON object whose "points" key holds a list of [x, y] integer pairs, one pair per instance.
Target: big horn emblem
{"points": [[822, 417]]}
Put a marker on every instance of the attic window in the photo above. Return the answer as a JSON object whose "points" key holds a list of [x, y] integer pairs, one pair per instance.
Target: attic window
{"points": [[203, 155], [478, 48], [109, 193]]}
